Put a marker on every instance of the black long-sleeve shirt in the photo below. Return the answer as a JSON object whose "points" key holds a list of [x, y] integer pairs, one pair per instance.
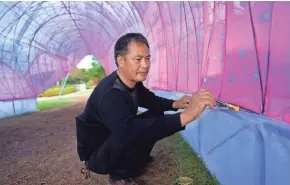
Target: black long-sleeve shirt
{"points": [[112, 108]]}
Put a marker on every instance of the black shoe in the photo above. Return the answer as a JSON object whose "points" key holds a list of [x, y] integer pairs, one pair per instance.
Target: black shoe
{"points": [[149, 159], [146, 160], [128, 181]]}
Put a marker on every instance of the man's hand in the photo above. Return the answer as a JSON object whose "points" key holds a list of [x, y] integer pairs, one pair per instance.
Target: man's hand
{"points": [[182, 103], [198, 102]]}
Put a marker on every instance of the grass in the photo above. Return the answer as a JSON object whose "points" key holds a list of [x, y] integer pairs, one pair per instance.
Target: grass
{"points": [[189, 163], [48, 104]]}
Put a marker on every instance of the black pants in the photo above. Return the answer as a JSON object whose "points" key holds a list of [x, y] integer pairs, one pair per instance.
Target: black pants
{"points": [[135, 158]]}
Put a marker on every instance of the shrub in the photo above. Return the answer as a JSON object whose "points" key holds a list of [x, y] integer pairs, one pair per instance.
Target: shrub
{"points": [[92, 83], [68, 90], [54, 91]]}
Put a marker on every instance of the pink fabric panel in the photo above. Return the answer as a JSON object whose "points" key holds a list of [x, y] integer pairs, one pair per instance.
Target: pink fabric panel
{"points": [[237, 50]]}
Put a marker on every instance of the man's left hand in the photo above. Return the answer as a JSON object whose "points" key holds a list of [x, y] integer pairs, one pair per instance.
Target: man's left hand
{"points": [[182, 103]]}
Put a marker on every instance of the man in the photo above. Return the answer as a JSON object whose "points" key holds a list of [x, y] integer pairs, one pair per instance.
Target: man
{"points": [[111, 137]]}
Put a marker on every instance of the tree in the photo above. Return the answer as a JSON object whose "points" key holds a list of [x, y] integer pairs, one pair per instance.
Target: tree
{"points": [[76, 77], [90, 76], [95, 73]]}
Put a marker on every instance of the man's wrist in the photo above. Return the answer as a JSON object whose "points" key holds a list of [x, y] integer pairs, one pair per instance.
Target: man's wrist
{"points": [[185, 118]]}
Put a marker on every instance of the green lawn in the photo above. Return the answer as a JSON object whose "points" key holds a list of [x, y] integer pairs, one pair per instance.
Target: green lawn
{"points": [[189, 164], [48, 104]]}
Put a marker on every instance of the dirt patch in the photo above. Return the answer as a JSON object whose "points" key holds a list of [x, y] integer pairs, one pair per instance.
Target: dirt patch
{"points": [[40, 149]]}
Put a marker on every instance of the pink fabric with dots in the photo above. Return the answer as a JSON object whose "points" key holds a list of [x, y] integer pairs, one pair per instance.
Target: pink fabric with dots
{"points": [[238, 50]]}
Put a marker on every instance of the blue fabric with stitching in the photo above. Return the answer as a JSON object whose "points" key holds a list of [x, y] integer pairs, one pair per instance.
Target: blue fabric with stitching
{"points": [[240, 148]]}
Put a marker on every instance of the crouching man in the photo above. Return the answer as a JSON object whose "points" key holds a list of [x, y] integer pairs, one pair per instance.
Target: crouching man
{"points": [[111, 137]]}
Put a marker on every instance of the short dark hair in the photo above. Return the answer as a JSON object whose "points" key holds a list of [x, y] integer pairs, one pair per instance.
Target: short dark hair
{"points": [[121, 46]]}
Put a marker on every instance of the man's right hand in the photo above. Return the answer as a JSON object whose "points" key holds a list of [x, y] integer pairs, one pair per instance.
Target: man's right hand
{"points": [[198, 102]]}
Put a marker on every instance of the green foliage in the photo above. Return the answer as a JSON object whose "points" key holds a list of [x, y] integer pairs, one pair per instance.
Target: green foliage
{"points": [[92, 84], [97, 72], [76, 77], [91, 77], [54, 91], [48, 104]]}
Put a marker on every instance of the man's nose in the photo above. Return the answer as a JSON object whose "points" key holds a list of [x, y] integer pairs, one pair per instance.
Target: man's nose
{"points": [[145, 63]]}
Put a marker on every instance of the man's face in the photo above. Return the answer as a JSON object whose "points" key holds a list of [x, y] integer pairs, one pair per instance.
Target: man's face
{"points": [[136, 63]]}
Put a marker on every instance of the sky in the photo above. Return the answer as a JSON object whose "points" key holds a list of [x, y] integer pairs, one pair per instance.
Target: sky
{"points": [[86, 62]]}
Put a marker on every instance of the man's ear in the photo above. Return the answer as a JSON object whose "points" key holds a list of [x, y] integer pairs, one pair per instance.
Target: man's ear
{"points": [[120, 60]]}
